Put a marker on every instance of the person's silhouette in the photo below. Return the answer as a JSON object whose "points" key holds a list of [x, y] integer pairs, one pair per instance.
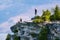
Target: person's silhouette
{"points": [[35, 12]]}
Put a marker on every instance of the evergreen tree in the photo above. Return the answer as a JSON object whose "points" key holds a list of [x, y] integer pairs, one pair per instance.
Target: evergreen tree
{"points": [[8, 37], [52, 18], [37, 19], [43, 34], [46, 15], [57, 13], [16, 37], [57, 38]]}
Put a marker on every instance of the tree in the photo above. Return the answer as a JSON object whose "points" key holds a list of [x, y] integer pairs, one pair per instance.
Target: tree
{"points": [[43, 34], [57, 13], [36, 17], [16, 37], [37, 21], [52, 18], [46, 15], [57, 38], [8, 37]]}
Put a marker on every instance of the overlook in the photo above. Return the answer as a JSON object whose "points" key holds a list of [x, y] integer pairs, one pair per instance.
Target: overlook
{"points": [[44, 27]]}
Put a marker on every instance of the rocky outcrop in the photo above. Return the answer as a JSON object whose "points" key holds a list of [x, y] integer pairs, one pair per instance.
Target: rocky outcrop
{"points": [[54, 30], [26, 30], [30, 31]]}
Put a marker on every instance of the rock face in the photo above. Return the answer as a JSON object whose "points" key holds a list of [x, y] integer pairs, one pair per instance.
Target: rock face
{"points": [[30, 31], [26, 30], [54, 31]]}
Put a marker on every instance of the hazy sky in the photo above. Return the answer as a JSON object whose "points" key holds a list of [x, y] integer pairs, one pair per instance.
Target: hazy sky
{"points": [[12, 10]]}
